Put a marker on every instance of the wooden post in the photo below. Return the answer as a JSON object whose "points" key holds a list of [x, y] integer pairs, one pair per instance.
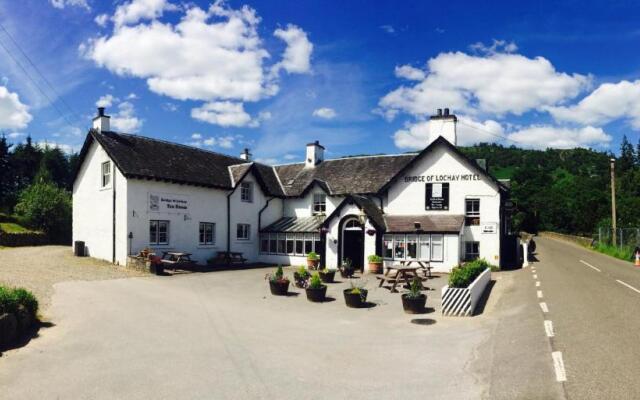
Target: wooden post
{"points": [[613, 201]]}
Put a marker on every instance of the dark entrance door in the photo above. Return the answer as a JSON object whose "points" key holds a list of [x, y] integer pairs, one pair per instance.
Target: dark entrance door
{"points": [[353, 247]]}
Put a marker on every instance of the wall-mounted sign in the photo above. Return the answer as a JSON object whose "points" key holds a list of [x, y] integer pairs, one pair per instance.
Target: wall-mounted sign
{"points": [[437, 196], [168, 202], [442, 178], [489, 228]]}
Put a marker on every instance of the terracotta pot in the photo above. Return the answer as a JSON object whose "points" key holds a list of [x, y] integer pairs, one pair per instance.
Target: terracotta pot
{"points": [[355, 300], [414, 305], [375, 268], [316, 295], [279, 288], [327, 277], [312, 264]]}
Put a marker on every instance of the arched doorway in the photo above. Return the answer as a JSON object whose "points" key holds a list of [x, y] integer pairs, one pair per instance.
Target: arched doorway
{"points": [[352, 242]]}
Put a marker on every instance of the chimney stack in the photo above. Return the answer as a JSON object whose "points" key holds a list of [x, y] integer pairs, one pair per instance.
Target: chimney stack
{"points": [[443, 125], [102, 122], [315, 154], [245, 155]]}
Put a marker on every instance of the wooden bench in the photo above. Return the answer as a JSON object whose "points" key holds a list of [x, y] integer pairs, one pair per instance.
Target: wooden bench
{"points": [[229, 258]]}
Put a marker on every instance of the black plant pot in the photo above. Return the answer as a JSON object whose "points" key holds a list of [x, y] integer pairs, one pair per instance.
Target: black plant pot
{"points": [[414, 305], [316, 295], [347, 273], [279, 288], [327, 277], [355, 300], [300, 280], [157, 269]]}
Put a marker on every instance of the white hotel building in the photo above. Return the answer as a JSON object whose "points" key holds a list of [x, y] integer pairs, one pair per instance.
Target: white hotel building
{"points": [[437, 205]]}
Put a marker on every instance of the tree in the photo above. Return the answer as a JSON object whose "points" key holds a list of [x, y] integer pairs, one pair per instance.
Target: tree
{"points": [[54, 165], [627, 158], [26, 162], [47, 207], [6, 175]]}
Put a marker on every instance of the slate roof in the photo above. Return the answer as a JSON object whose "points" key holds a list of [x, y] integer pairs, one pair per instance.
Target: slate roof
{"points": [[296, 224], [428, 223]]}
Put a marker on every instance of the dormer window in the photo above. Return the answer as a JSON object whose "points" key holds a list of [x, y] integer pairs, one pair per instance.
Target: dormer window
{"points": [[106, 174], [319, 203], [246, 192]]}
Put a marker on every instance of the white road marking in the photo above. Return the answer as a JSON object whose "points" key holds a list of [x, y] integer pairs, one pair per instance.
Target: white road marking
{"points": [[548, 327], [539, 294], [627, 285], [589, 265], [544, 307], [535, 277], [558, 365], [537, 283]]}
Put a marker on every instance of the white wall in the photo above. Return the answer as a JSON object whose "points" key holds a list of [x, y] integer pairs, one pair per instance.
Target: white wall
{"points": [[93, 205], [302, 206]]}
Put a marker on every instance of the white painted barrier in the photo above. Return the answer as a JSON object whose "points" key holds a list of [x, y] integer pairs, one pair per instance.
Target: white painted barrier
{"points": [[463, 301]]}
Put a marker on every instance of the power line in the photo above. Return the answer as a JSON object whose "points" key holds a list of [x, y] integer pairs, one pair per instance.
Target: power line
{"points": [[493, 133]]}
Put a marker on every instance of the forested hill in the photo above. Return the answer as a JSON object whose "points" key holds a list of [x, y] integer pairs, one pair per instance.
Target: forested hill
{"points": [[566, 190]]}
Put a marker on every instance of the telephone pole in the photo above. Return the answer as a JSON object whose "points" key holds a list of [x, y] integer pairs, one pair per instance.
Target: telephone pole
{"points": [[613, 201]]}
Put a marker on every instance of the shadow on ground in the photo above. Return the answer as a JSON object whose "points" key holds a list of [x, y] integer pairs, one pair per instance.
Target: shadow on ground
{"points": [[484, 298], [30, 334]]}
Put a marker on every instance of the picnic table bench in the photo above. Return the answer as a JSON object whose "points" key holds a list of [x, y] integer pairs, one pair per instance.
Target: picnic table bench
{"points": [[404, 273], [174, 259], [229, 258]]}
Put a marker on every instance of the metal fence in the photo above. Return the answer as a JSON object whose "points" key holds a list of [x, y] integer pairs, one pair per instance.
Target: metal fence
{"points": [[625, 237]]}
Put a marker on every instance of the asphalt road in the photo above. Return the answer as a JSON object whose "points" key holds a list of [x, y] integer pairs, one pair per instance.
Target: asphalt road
{"points": [[593, 304]]}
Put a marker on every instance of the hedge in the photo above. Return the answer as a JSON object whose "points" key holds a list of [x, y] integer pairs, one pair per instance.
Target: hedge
{"points": [[23, 239], [13, 299], [462, 276]]}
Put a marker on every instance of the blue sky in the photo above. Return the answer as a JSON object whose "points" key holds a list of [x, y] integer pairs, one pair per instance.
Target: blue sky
{"points": [[360, 76]]}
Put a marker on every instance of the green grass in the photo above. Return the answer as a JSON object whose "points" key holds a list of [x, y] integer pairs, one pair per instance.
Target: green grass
{"points": [[502, 173], [11, 227], [623, 253]]}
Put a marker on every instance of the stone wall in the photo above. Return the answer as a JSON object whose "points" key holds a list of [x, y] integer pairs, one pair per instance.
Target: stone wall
{"points": [[581, 240], [23, 239]]}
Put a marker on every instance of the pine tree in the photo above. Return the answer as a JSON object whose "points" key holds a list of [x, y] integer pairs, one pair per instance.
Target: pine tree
{"points": [[627, 156], [6, 175]]}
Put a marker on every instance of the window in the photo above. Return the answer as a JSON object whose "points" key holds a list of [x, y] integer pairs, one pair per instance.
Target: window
{"points": [[437, 252], [158, 232], [316, 243], [472, 212], [207, 233], [289, 245], [388, 247], [398, 249], [412, 247], [264, 243], [471, 250], [281, 243], [106, 174], [308, 243], [243, 232], [246, 192], [425, 247], [319, 203], [273, 243], [299, 244]]}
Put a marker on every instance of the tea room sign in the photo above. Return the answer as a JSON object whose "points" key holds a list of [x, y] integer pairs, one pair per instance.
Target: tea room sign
{"points": [[169, 203]]}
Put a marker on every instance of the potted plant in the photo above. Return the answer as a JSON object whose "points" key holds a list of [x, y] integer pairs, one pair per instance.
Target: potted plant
{"points": [[301, 276], [346, 269], [327, 275], [316, 291], [375, 264], [278, 283], [356, 296], [313, 259], [414, 301]]}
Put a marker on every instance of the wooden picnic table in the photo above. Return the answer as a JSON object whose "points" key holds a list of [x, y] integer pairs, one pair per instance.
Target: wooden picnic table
{"points": [[174, 258], [404, 273], [424, 265]]}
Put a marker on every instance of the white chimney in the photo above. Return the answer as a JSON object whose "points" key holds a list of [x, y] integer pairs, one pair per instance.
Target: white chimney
{"points": [[101, 122], [245, 155], [315, 154], [443, 124]]}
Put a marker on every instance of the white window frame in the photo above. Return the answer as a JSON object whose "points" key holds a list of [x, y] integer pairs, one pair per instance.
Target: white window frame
{"points": [[467, 253], [299, 238], [473, 215], [158, 223], [105, 176], [202, 233], [387, 238], [243, 232], [426, 240], [430, 240], [319, 203], [246, 192], [434, 243], [264, 237], [411, 239], [273, 238]]}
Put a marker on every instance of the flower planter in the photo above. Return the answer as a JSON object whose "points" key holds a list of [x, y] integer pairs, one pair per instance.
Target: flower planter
{"points": [[414, 305], [327, 276], [279, 288], [463, 301], [316, 295], [355, 300], [300, 280], [347, 272], [8, 329], [375, 268], [312, 264]]}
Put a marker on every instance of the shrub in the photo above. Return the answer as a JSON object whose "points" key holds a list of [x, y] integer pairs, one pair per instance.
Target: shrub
{"points": [[8, 301], [462, 276], [27, 300], [313, 256], [315, 282], [45, 206], [374, 258], [302, 272], [415, 289], [277, 276]]}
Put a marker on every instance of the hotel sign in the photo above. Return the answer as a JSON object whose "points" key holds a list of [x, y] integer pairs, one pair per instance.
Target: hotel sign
{"points": [[442, 178], [169, 203], [437, 196]]}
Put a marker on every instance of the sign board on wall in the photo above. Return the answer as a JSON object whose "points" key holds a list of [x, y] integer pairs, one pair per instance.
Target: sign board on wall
{"points": [[437, 196], [168, 203], [489, 228]]}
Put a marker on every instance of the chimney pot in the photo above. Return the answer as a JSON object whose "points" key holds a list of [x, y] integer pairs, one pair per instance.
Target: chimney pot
{"points": [[446, 112], [101, 122], [439, 112], [100, 111]]}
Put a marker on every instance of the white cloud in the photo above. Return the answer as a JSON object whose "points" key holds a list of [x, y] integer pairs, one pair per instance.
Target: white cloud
{"points": [[223, 113], [125, 120], [498, 46], [13, 114], [325, 112], [290, 157], [416, 135], [16, 135], [168, 106], [101, 20], [214, 55], [226, 142], [497, 83], [132, 96], [67, 148], [388, 28], [105, 101], [70, 3], [410, 73], [210, 142], [610, 101], [196, 136], [544, 136]]}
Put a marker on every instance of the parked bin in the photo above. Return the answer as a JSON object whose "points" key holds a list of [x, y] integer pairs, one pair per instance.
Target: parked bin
{"points": [[78, 248]]}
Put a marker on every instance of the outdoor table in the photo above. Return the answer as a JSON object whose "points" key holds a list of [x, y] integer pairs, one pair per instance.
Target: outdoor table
{"points": [[173, 258], [423, 265], [403, 273]]}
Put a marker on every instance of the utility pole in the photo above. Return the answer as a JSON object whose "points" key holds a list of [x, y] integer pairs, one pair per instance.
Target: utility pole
{"points": [[613, 201]]}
